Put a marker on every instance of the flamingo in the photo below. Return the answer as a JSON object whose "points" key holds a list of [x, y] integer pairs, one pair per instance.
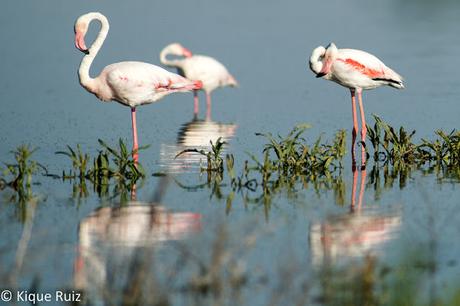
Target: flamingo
{"points": [[128, 83], [211, 72], [356, 70]]}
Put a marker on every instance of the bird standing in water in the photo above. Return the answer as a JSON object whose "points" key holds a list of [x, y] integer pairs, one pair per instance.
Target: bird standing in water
{"points": [[128, 83], [356, 70], [211, 72]]}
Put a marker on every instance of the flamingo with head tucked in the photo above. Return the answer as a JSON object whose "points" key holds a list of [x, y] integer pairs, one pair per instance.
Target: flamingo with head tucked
{"points": [[356, 70], [211, 72], [128, 83]]}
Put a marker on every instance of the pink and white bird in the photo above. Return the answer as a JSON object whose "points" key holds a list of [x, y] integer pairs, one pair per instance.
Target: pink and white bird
{"points": [[128, 83], [211, 72], [356, 70]]}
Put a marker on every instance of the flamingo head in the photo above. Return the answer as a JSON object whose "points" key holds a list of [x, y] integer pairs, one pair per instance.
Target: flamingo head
{"points": [[231, 81], [316, 59], [81, 27], [322, 58], [179, 50]]}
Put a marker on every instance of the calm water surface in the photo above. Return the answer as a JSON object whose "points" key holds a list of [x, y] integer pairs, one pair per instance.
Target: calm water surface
{"points": [[89, 242]]}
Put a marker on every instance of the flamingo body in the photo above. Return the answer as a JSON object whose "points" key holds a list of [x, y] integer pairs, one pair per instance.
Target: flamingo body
{"points": [[208, 70], [358, 69], [136, 83]]}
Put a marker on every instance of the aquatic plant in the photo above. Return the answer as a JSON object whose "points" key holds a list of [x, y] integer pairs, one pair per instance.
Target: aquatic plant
{"points": [[109, 163], [397, 145], [444, 150], [293, 156], [21, 174], [124, 165], [79, 160], [24, 168]]}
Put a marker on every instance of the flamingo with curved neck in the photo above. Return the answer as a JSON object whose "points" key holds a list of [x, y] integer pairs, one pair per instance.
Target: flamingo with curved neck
{"points": [[356, 70], [128, 83], [211, 72]]}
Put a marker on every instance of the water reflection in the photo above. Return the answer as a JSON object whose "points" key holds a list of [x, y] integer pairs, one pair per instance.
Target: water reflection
{"points": [[111, 239], [359, 233], [196, 134]]}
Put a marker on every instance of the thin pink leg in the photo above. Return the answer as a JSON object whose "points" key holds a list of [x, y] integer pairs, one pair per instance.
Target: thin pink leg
{"points": [[354, 132], [363, 129], [195, 103], [135, 146], [208, 106]]}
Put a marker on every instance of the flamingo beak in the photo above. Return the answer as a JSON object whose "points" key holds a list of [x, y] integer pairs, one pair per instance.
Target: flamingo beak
{"points": [[321, 74], [186, 52], [80, 42]]}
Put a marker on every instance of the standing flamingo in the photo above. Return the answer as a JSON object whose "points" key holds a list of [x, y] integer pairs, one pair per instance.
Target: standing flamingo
{"points": [[356, 70], [198, 67], [128, 83]]}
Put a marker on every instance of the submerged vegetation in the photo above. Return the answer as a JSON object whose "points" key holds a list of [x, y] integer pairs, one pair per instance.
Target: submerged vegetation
{"points": [[19, 177], [110, 163], [398, 147], [23, 169]]}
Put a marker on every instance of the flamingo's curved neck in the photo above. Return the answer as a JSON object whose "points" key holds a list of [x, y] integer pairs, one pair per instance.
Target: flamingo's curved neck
{"points": [[171, 63], [83, 72]]}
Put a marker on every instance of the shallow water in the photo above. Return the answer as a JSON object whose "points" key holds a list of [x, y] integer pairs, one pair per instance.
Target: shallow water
{"points": [[265, 45]]}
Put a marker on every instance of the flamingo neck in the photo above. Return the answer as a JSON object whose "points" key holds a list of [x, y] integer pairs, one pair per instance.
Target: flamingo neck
{"points": [[171, 63], [83, 72]]}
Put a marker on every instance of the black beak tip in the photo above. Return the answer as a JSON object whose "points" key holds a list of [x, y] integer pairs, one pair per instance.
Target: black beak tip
{"points": [[85, 51], [321, 74]]}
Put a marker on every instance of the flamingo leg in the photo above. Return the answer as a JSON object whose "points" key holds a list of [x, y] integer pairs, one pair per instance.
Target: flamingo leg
{"points": [[363, 128], [208, 105], [354, 132], [135, 146], [195, 103]]}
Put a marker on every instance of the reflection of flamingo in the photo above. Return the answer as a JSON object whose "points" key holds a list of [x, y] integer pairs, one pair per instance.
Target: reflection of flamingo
{"points": [[109, 239], [352, 235], [196, 134], [129, 83], [198, 67], [356, 70]]}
